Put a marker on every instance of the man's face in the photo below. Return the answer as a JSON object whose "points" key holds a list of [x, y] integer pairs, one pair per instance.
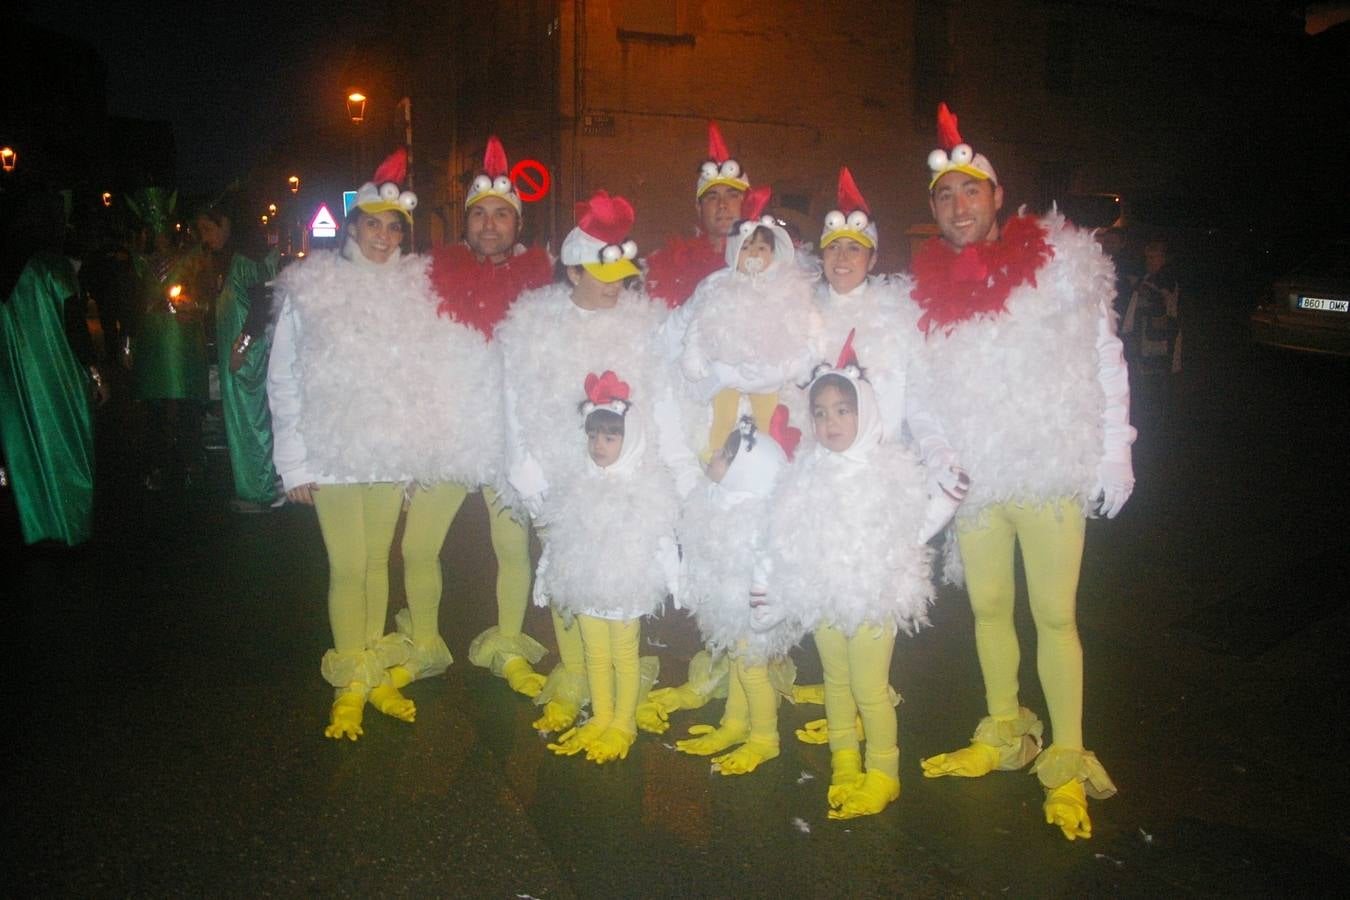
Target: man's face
{"points": [[718, 209], [491, 227], [966, 208]]}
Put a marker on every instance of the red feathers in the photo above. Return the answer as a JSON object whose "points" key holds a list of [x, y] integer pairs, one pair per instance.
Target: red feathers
{"points": [[756, 201], [948, 136], [394, 168], [479, 294], [605, 218], [676, 269], [953, 287], [717, 148], [494, 158], [786, 436], [849, 197], [847, 357], [606, 388]]}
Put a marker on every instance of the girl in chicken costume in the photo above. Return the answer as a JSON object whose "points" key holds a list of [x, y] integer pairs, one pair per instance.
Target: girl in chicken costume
{"points": [[474, 296], [849, 560], [723, 574], [749, 325], [550, 340], [356, 384], [1023, 365], [609, 559]]}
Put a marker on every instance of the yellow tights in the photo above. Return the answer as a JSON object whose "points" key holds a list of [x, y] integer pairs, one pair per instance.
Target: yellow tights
{"points": [[857, 681], [357, 522]]}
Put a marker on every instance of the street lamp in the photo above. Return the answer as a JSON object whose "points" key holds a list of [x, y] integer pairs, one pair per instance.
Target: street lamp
{"points": [[294, 182], [9, 158], [107, 199], [271, 209], [356, 107]]}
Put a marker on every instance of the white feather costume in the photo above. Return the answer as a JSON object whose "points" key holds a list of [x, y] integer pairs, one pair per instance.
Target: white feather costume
{"points": [[383, 388], [608, 534], [548, 346], [721, 530], [1019, 394], [844, 542]]}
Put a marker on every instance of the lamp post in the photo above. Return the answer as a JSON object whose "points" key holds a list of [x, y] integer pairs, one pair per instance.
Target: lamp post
{"points": [[356, 107], [294, 183], [9, 158]]}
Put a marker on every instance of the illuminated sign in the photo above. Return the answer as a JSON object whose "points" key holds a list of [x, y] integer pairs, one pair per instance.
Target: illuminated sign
{"points": [[323, 225], [348, 201]]}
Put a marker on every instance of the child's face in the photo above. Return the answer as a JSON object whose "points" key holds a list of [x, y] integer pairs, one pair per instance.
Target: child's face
{"points": [[756, 255], [603, 448], [836, 419], [718, 465]]}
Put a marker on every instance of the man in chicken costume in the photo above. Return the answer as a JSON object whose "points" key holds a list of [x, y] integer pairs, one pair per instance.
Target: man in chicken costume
{"points": [[1023, 368], [682, 262], [477, 281]]}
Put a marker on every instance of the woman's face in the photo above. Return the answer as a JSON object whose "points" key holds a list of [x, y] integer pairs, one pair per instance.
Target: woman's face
{"points": [[846, 263], [590, 292], [378, 235], [214, 237]]}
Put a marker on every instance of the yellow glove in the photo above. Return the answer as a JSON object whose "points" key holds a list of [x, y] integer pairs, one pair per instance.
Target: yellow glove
{"points": [[575, 740], [745, 758], [387, 699], [711, 739], [817, 731], [345, 716], [845, 775], [522, 678], [968, 762], [676, 698], [876, 791], [1066, 808], [558, 716], [611, 744], [808, 693], [652, 717]]}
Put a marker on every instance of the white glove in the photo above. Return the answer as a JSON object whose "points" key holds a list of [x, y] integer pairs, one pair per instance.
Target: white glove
{"points": [[537, 592], [528, 478], [1115, 483]]}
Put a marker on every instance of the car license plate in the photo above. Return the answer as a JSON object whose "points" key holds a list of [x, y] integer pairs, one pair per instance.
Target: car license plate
{"points": [[1324, 304]]}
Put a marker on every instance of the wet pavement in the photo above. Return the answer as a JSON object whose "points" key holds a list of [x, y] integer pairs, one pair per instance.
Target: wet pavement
{"points": [[168, 709]]}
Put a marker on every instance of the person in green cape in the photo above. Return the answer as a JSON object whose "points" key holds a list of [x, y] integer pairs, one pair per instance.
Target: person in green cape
{"points": [[242, 342], [47, 378], [168, 346]]}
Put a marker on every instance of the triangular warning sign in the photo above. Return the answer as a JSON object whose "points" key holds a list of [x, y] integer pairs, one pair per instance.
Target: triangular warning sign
{"points": [[323, 224]]}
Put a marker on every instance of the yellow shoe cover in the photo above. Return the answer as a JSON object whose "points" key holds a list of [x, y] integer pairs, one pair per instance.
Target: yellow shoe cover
{"points": [[1066, 808], [345, 716], [522, 677], [612, 744], [845, 775], [968, 762], [817, 731], [712, 739], [558, 716], [808, 693], [652, 717], [672, 699], [575, 740], [746, 758], [875, 793], [387, 699]]}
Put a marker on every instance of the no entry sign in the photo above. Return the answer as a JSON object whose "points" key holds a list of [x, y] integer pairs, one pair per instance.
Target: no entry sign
{"points": [[531, 180]]}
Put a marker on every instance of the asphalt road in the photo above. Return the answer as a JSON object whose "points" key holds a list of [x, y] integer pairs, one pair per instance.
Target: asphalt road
{"points": [[167, 709]]}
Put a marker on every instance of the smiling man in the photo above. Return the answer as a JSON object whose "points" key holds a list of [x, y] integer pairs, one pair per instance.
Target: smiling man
{"points": [[1023, 370]]}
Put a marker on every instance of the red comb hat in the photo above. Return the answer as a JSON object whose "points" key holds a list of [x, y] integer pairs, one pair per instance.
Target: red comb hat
{"points": [[756, 201], [608, 218], [719, 168], [847, 357], [394, 168], [494, 180], [954, 154], [383, 192], [600, 240], [786, 436], [852, 218]]}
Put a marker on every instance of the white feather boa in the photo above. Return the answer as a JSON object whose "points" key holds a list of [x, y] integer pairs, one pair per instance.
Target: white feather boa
{"points": [[549, 346], [1018, 394], [764, 322], [389, 390], [718, 542], [844, 541], [603, 540]]}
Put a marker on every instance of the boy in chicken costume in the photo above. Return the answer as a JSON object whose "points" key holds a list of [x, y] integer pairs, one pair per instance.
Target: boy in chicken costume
{"points": [[1024, 369]]}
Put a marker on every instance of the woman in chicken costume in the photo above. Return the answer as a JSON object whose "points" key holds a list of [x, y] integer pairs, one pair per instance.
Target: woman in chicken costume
{"points": [[1023, 367]]}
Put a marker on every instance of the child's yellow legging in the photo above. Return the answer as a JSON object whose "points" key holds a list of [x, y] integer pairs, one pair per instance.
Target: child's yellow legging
{"points": [[857, 682], [726, 404], [432, 511], [1051, 536], [357, 522], [611, 652], [753, 702]]}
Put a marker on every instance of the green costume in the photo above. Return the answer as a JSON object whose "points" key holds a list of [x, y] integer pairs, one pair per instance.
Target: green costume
{"points": [[169, 349], [243, 394], [45, 421]]}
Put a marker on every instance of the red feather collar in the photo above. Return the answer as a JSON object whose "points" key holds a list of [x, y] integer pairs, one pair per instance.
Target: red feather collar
{"points": [[952, 287], [478, 294], [676, 269]]}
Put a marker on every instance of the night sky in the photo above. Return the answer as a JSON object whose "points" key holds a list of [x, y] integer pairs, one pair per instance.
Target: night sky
{"points": [[232, 80]]}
